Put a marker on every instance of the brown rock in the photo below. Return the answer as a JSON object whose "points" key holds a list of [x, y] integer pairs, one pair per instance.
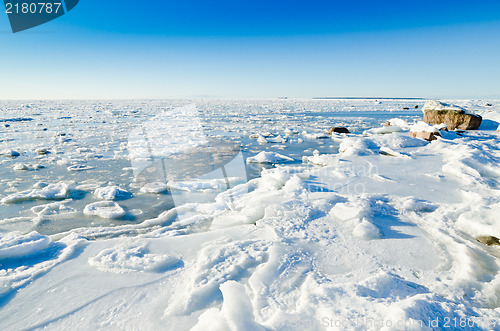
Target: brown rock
{"points": [[488, 240], [337, 129], [42, 151], [454, 117], [429, 136]]}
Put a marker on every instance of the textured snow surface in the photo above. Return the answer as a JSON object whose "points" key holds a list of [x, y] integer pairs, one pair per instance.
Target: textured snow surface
{"points": [[371, 230]]}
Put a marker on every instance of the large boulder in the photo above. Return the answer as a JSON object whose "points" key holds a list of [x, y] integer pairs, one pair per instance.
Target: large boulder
{"points": [[454, 117]]}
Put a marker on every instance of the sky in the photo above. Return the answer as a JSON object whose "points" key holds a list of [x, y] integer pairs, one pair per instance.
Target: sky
{"points": [[256, 49]]}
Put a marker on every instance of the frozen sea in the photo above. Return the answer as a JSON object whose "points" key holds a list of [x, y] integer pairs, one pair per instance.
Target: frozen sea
{"points": [[245, 215]]}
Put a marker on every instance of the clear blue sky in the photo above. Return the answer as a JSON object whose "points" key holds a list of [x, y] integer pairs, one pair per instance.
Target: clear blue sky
{"points": [[257, 48]]}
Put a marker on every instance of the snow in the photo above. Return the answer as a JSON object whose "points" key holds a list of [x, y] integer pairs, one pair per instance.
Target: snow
{"points": [[423, 127], [370, 226], [439, 105]]}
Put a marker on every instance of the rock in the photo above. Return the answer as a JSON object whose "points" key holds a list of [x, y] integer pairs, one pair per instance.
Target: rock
{"points": [[441, 127], [429, 136], [338, 129], [388, 123], [436, 112], [10, 153], [42, 151], [488, 240]]}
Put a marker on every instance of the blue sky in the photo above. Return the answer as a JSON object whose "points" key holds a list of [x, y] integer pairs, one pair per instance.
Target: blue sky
{"points": [[164, 49]]}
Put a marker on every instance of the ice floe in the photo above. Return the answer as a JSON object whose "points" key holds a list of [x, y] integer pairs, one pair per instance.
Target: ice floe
{"points": [[105, 209], [50, 192]]}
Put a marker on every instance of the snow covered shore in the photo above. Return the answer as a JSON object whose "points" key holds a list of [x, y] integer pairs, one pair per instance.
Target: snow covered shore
{"points": [[370, 230]]}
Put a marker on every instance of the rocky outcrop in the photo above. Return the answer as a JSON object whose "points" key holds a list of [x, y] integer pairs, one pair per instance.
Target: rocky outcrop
{"points": [[337, 129], [488, 240], [454, 117]]}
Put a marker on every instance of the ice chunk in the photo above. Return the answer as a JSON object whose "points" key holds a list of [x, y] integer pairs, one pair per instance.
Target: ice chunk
{"points": [[15, 244], [268, 157], [112, 193], [356, 146], [155, 187], [104, 209], [79, 167]]}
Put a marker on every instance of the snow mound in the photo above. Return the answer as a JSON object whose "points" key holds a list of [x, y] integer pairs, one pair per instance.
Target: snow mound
{"points": [[387, 285], [49, 192], [104, 209], [218, 262], [400, 141], [112, 193], [399, 122], [236, 312], [367, 231], [128, 259], [423, 127], [269, 157], [356, 146], [16, 245]]}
